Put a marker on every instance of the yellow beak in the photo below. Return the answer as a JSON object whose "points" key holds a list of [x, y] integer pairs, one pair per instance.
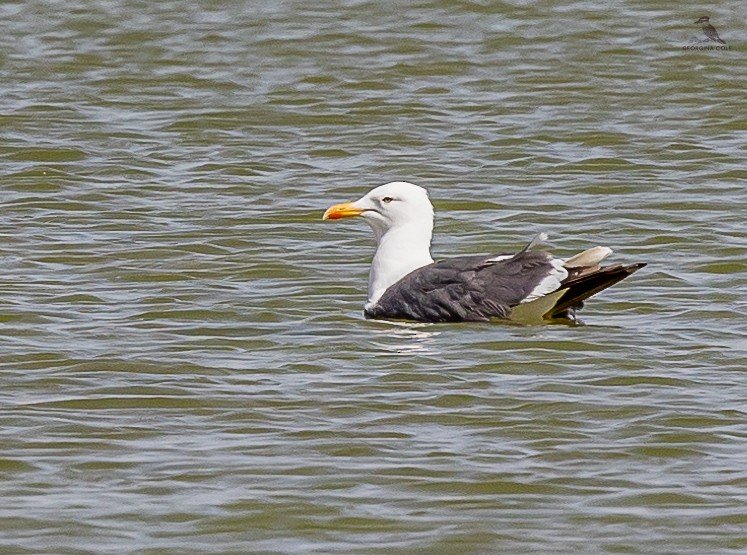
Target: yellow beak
{"points": [[344, 210]]}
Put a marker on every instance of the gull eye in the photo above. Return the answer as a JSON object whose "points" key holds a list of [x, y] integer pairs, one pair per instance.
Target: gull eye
{"points": [[387, 200]]}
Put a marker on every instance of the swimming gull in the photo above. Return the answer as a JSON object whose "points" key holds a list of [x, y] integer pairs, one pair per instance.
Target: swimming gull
{"points": [[405, 283]]}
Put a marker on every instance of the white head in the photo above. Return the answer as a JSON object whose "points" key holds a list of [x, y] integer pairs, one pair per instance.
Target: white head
{"points": [[401, 216]]}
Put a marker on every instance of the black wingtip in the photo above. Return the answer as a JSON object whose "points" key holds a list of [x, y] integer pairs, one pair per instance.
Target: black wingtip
{"points": [[582, 287]]}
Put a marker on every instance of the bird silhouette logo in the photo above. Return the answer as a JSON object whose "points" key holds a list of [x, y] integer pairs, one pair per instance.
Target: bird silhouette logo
{"points": [[709, 30]]}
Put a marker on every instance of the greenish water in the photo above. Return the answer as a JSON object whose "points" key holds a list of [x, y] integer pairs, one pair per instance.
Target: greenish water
{"points": [[184, 365]]}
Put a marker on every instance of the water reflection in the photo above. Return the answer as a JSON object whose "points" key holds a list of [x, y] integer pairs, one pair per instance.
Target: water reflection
{"points": [[408, 338]]}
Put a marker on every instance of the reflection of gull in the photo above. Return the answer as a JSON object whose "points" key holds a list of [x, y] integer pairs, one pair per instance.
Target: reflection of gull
{"points": [[710, 30], [414, 338]]}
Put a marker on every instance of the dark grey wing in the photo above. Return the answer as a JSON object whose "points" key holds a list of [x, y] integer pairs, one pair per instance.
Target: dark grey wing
{"points": [[472, 288]]}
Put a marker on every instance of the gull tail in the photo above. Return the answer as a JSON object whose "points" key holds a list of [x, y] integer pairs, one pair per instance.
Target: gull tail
{"points": [[583, 282]]}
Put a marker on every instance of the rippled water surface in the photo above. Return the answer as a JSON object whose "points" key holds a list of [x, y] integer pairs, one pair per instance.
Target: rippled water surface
{"points": [[184, 364]]}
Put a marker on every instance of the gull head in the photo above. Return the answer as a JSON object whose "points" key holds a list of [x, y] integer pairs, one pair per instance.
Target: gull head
{"points": [[398, 204]]}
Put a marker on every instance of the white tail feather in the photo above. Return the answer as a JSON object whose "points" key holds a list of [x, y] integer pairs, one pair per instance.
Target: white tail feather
{"points": [[590, 257]]}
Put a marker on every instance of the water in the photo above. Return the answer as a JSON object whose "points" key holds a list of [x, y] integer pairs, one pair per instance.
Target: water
{"points": [[184, 365]]}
